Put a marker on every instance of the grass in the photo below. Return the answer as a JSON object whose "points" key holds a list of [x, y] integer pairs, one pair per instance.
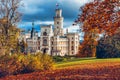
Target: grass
{"points": [[77, 69], [80, 61]]}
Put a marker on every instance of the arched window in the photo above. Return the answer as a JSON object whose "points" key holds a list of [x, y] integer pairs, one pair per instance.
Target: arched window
{"points": [[45, 33], [72, 42], [72, 47], [44, 42], [57, 22]]}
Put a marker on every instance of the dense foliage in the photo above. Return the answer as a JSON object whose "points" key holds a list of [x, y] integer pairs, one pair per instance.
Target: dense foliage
{"points": [[9, 33], [98, 17], [109, 47], [20, 63]]}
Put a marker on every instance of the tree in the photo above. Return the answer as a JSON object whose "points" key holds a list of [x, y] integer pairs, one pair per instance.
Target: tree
{"points": [[98, 17], [109, 47], [9, 17], [23, 46]]}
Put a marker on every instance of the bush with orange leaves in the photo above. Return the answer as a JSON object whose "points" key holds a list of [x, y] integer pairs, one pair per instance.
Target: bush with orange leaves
{"points": [[20, 63]]}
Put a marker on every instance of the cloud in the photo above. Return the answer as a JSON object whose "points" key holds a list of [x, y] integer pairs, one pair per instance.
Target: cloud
{"points": [[43, 11], [37, 24], [43, 8], [31, 11]]}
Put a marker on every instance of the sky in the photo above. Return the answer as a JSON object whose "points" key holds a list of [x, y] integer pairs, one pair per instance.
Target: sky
{"points": [[43, 11]]}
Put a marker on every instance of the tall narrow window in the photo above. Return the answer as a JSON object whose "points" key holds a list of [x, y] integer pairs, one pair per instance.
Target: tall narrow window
{"points": [[57, 22], [52, 43], [72, 47], [44, 42]]}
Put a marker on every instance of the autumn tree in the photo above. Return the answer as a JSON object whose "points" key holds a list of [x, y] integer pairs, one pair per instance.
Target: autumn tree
{"points": [[98, 17], [23, 45], [9, 17], [109, 47]]}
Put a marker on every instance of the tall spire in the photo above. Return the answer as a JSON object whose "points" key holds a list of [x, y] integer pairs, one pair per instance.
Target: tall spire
{"points": [[32, 31], [33, 24]]}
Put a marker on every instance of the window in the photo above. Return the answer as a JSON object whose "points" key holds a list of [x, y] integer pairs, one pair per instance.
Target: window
{"points": [[44, 42], [52, 42], [52, 48], [39, 42], [72, 42], [72, 47], [45, 33], [72, 52], [39, 48], [57, 22]]}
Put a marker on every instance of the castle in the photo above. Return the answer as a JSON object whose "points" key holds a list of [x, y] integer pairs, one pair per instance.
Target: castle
{"points": [[53, 41]]}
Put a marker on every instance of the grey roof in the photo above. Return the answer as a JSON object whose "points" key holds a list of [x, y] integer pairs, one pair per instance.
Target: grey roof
{"points": [[62, 36]]}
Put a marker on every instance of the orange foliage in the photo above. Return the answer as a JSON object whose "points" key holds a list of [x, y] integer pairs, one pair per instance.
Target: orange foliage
{"points": [[99, 16], [95, 71]]}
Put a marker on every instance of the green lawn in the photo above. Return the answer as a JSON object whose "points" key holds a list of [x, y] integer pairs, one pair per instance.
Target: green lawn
{"points": [[79, 61]]}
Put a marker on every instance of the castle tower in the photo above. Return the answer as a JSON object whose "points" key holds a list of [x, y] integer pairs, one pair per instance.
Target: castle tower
{"points": [[32, 31], [58, 23]]}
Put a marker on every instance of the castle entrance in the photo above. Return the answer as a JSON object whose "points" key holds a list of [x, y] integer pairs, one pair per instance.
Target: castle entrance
{"points": [[44, 50]]}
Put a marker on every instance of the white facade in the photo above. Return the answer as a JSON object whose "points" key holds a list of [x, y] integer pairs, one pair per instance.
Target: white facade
{"points": [[53, 42]]}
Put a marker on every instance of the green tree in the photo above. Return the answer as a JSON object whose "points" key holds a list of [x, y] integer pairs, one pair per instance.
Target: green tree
{"points": [[109, 47]]}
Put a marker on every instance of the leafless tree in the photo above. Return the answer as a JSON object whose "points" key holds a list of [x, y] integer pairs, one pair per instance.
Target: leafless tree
{"points": [[9, 17]]}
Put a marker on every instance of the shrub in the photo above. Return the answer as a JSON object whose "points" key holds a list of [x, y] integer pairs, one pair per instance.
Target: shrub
{"points": [[47, 61], [20, 63], [63, 59], [57, 58], [9, 65]]}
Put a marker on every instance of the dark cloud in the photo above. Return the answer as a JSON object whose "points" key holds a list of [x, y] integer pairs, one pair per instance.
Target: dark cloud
{"points": [[44, 11]]}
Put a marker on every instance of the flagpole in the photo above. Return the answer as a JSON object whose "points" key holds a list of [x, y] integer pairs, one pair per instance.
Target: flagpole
{"points": [[57, 5]]}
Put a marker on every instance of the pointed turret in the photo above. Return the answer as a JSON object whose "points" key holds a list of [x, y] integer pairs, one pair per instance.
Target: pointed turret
{"points": [[32, 31]]}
